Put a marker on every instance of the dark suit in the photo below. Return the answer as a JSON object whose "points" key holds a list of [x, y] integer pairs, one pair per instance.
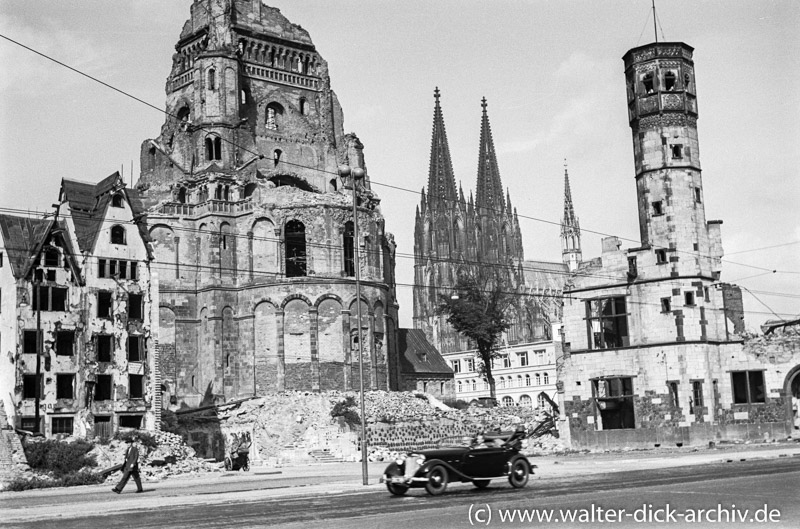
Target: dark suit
{"points": [[130, 468]]}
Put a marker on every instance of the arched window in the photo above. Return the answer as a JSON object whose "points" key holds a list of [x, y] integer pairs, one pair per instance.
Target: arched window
{"points": [[525, 400], [519, 381], [276, 157], [243, 96], [508, 401], [474, 385], [303, 106], [295, 235], [459, 386], [502, 382], [546, 378], [647, 82], [213, 148], [183, 114], [669, 81], [541, 402], [527, 380], [182, 195], [117, 235], [272, 118], [116, 201], [212, 79], [349, 250], [538, 379]]}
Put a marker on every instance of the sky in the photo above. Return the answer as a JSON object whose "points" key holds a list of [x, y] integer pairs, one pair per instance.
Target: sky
{"points": [[551, 72]]}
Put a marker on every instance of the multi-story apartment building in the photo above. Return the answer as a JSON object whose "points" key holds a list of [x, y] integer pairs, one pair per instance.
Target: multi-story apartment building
{"points": [[75, 314]]}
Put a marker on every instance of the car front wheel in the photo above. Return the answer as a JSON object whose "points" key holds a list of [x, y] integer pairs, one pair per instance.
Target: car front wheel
{"points": [[518, 477], [396, 489], [437, 480]]}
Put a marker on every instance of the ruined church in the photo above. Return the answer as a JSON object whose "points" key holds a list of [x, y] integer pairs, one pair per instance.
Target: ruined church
{"points": [[252, 222]]}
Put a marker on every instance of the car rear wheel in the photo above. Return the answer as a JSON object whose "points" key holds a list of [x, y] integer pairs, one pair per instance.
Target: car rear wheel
{"points": [[437, 480], [396, 489], [518, 477], [481, 483]]}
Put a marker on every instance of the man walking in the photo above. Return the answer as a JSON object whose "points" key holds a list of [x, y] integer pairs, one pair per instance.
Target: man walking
{"points": [[130, 467]]}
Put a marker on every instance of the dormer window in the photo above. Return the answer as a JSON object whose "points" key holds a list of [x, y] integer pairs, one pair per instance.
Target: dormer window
{"points": [[116, 201], [51, 257], [117, 235]]}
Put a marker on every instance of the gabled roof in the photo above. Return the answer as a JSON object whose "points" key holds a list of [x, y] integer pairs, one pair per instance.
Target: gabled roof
{"points": [[24, 238], [417, 355], [88, 204]]}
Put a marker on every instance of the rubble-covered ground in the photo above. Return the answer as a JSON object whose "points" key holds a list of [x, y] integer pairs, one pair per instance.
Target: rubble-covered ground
{"points": [[171, 457]]}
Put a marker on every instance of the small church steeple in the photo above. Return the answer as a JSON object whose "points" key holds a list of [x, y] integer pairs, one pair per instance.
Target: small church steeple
{"points": [[570, 228]]}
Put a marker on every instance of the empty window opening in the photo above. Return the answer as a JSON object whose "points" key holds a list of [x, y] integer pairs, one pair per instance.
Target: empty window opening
{"points": [[135, 349], [607, 323], [213, 148], [748, 387], [52, 257], [102, 389], [706, 294], [303, 106], [183, 115], [696, 247], [1, 259], [647, 82], [687, 79], [669, 81], [116, 200], [65, 386], [614, 399], [51, 275], [688, 298], [276, 157], [456, 367], [249, 189], [30, 386], [130, 421], [50, 299], [334, 184], [295, 235], [677, 151], [658, 208], [117, 235], [104, 304], [65, 343], [661, 256], [243, 96], [135, 387], [697, 397], [182, 195], [633, 270], [666, 304], [349, 250], [104, 345], [672, 387], [212, 79], [61, 425], [30, 346], [135, 302], [697, 195]]}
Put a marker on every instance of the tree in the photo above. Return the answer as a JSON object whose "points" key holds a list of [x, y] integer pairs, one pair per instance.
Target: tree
{"points": [[477, 310]]}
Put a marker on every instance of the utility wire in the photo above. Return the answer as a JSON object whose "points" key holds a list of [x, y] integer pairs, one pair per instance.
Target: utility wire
{"points": [[261, 156]]}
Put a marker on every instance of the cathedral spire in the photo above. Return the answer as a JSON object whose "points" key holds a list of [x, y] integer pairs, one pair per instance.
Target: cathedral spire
{"points": [[570, 228], [489, 193], [441, 182]]}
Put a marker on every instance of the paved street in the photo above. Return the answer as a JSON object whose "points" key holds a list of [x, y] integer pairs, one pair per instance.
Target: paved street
{"points": [[331, 495]]}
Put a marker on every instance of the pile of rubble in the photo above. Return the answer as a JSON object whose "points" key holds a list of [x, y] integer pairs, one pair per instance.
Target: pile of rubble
{"points": [[171, 457]]}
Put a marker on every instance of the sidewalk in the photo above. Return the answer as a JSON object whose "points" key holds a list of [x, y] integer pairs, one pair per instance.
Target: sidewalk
{"points": [[335, 478]]}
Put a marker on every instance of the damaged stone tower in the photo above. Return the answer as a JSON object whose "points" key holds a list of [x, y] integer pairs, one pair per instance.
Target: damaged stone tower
{"points": [[252, 226]]}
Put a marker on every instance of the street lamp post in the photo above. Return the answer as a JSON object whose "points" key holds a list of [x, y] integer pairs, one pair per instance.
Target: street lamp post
{"points": [[358, 174]]}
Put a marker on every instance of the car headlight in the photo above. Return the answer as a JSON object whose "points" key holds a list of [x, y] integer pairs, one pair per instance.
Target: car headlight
{"points": [[420, 459], [400, 459]]}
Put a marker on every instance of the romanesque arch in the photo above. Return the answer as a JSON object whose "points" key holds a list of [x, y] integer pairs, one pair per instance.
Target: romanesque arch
{"points": [[164, 248], [265, 249], [265, 347], [297, 342]]}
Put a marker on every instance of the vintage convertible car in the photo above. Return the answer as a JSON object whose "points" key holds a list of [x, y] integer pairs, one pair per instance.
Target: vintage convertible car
{"points": [[494, 456]]}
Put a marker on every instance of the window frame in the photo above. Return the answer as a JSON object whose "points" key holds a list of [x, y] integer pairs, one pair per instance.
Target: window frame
{"points": [[66, 430], [748, 380], [614, 324], [141, 354], [60, 385], [140, 386]]}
